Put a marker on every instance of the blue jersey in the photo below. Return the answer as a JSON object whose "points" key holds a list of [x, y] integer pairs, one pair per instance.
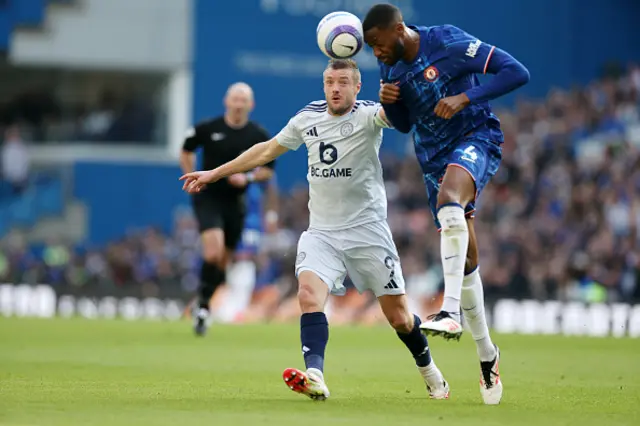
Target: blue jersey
{"points": [[253, 199], [446, 65], [252, 232]]}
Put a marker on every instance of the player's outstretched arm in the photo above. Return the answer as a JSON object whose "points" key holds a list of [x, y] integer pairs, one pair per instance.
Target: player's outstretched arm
{"points": [[509, 74], [473, 56], [258, 155]]}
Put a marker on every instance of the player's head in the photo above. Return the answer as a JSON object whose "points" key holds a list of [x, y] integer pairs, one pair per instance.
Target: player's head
{"points": [[238, 101], [341, 85], [384, 32]]}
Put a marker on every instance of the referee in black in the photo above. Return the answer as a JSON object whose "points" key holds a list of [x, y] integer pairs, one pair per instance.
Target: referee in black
{"points": [[220, 207]]}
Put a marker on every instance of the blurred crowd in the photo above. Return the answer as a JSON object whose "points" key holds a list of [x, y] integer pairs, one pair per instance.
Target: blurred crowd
{"points": [[43, 118], [559, 221]]}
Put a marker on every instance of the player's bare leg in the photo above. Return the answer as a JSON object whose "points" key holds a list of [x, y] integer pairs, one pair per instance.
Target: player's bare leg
{"points": [[472, 303], [456, 191], [212, 275], [407, 326], [314, 334]]}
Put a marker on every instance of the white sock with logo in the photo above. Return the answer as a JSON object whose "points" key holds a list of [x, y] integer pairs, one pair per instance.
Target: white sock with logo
{"points": [[454, 242], [472, 302]]}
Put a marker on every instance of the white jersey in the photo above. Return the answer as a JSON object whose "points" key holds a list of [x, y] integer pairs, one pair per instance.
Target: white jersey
{"points": [[346, 188]]}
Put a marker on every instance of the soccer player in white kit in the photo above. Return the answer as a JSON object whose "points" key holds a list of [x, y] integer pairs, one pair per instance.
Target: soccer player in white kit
{"points": [[348, 231]]}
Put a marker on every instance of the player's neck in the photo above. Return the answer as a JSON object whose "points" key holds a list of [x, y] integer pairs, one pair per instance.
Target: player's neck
{"points": [[235, 122], [342, 113], [412, 45]]}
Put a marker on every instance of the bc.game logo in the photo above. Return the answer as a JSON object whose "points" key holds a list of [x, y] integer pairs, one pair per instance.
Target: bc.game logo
{"points": [[328, 153]]}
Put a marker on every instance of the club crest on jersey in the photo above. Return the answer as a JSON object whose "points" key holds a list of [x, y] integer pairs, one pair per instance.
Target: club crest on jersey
{"points": [[301, 256], [346, 129], [431, 74]]}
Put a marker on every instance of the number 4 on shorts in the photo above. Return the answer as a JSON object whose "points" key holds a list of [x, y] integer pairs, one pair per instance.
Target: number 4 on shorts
{"points": [[470, 154]]}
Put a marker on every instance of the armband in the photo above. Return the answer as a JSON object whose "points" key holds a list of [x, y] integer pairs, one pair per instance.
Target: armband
{"points": [[380, 122]]}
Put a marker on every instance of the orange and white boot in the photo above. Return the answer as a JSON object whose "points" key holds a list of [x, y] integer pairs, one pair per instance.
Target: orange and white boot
{"points": [[309, 383]]}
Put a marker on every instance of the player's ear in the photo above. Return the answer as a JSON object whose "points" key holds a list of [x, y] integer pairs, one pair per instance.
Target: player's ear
{"points": [[399, 28]]}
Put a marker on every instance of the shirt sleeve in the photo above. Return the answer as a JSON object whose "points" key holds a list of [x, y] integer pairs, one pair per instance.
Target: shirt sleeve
{"points": [[472, 56], [290, 136], [397, 113], [469, 54], [192, 139], [373, 117]]}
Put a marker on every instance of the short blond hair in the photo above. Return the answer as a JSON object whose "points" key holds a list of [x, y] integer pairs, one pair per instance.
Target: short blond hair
{"points": [[345, 64]]}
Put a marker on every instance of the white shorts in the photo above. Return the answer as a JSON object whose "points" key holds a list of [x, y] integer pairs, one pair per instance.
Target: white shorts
{"points": [[366, 252]]}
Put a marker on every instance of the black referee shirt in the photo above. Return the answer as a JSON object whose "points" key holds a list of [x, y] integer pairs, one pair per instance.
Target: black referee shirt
{"points": [[221, 144]]}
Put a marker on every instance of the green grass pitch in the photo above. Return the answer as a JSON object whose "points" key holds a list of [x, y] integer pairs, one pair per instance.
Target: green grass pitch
{"points": [[83, 372]]}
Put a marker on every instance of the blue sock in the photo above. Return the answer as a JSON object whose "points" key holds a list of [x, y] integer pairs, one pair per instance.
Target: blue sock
{"points": [[417, 343], [314, 334]]}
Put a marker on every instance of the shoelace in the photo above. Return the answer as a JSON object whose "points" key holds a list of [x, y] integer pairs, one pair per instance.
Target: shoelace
{"points": [[440, 315], [487, 371]]}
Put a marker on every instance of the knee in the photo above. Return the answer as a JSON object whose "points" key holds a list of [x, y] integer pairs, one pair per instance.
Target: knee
{"points": [[309, 299], [448, 195], [402, 322], [212, 258], [452, 220], [213, 255]]}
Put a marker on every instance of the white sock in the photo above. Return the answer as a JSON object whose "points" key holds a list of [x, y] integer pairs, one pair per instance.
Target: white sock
{"points": [[472, 302], [317, 372], [241, 279], [454, 242], [430, 372], [427, 369]]}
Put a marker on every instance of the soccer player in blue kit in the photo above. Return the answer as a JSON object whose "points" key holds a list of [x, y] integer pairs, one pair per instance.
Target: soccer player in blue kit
{"points": [[429, 84]]}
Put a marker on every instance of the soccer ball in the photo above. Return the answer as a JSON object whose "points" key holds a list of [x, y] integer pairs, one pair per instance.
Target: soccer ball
{"points": [[340, 35]]}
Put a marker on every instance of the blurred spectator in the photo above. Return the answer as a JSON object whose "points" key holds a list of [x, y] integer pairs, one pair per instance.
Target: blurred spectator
{"points": [[15, 160], [97, 122]]}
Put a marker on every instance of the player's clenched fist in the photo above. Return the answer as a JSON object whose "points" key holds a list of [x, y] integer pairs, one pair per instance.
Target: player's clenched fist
{"points": [[389, 93], [450, 106], [196, 181]]}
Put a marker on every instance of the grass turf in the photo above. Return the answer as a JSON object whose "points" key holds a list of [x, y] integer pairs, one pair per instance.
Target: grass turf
{"points": [[64, 372]]}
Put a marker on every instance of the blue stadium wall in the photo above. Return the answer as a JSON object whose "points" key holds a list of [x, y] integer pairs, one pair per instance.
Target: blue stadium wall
{"points": [[561, 42]]}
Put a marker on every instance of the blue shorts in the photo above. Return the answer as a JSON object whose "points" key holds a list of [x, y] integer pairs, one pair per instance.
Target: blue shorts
{"points": [[476, 154]]}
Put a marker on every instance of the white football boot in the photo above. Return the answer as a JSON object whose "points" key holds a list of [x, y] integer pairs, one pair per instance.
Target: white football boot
{"points": [[490, 382], [441, 324], [437, 386]]}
